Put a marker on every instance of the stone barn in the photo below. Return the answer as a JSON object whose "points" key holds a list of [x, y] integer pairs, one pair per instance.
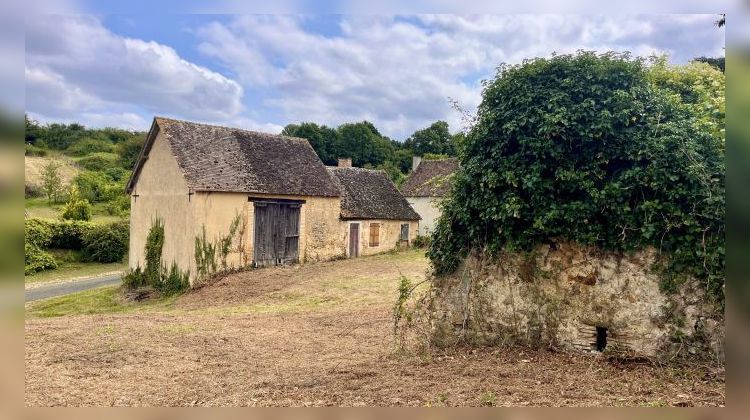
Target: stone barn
{"points": [[375, 216], [284, 205], [427, 184]]}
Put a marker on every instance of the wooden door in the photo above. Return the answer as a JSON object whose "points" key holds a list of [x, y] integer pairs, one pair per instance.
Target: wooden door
{"points": [[353, 240], [276, 233], [263, 251], [290, 231]]}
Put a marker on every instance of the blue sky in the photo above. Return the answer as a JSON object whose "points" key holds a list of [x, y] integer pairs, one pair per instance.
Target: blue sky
{"points": [[262, 72]]}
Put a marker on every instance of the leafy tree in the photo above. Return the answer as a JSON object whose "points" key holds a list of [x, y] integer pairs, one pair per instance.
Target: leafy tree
{"points": [[61, 136], [589, 148], [434, 139], [717, 62], [51, 181], [33, 130], [700, 86], [96, 186], [364, 144], [129, 150], [323, 139]]}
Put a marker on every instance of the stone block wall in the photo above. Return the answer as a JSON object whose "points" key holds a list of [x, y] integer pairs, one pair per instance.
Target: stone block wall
{"points": [[567, 296]]}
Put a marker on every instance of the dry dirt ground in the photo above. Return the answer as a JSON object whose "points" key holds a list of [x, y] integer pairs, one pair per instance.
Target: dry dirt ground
{"points": [[317, 335]]}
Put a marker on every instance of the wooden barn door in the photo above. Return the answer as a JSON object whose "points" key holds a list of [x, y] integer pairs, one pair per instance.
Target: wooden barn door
{"points": [[353, 240], [276, 236]]}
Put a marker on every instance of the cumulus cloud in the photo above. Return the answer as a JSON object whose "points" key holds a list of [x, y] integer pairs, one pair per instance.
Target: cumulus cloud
{"points": [[399, 72], [74, 65]]}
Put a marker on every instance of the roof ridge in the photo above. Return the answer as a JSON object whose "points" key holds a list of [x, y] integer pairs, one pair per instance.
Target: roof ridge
{"points": [[226, 127]]}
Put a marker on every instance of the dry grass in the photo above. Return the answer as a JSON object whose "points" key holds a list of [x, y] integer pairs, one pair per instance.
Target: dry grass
{"points": [[34, 165], [317, 335]]}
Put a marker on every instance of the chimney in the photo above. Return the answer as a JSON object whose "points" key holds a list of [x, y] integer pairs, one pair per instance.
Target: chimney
{"points": [[415, 161], [345, 162]]}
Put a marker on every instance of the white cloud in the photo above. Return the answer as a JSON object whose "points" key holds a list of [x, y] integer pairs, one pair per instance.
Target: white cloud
{"points": [[75, 65], [400, 72]]}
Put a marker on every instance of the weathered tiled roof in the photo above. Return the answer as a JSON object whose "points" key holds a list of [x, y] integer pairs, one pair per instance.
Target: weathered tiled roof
{"points": [[432, 178], [215, 158], [370, 194]]}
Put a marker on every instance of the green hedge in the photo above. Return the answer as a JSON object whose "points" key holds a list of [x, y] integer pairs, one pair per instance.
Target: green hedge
{"points": [[98, 243], [36, 259], [106, 243]]}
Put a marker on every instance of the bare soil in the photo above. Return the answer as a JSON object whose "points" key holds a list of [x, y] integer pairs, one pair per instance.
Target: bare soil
{"points": [[317, 335]]}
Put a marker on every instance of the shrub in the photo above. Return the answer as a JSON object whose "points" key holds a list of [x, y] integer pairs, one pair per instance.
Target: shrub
{"points": [[585, 148], [173, 281], [154, 245], [32, 150], [88, 146], [106, 243], [129, 150], [76, 208], [421, 241], [68, 234], [93, 186], [120, 206], [98, 163], [36, 259], [117, 174], [37, 233], [134, 279]]}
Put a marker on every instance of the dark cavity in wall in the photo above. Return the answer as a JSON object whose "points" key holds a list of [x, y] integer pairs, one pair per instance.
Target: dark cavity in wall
{"points": [[601, 338]]}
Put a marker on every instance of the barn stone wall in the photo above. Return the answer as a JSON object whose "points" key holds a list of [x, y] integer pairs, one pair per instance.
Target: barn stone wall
{"points": [[320, 237], [566, 296], [161, 191]]}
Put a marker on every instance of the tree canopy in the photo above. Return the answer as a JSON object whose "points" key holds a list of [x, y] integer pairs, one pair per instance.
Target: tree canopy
{"points": [[598, 149]]}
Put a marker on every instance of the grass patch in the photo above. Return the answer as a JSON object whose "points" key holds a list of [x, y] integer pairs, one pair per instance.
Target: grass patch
{"points": [[40, 208], [105, 300], [72, 270]]}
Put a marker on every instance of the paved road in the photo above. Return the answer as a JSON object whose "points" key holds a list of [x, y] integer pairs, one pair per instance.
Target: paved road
{"points": [[60, 289]]}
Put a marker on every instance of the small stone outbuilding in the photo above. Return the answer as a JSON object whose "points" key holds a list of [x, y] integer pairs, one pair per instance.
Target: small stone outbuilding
{"points": [[427, 184], [375, 215]]}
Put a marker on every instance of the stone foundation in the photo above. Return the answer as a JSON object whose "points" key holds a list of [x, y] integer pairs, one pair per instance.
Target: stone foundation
{"points": [[567, 296]]}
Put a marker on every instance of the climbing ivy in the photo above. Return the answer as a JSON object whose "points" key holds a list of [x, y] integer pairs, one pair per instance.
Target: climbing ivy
{"points": [[154, 245], [589, 148]]}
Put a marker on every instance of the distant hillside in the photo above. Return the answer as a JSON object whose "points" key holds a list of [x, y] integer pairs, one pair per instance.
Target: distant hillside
{"points": [[34, 166]]}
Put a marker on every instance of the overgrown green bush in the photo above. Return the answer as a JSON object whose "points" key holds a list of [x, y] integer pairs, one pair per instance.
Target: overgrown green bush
{"points": [[68, 234], [32, 150], [37, 233], [106, 243], [88, 146], [585, 147], [96, 186], [134, 279], [36, 259], [119, 206], [76, 208], [98, 163], [173, 281], [421, 241], [117, 174]]}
